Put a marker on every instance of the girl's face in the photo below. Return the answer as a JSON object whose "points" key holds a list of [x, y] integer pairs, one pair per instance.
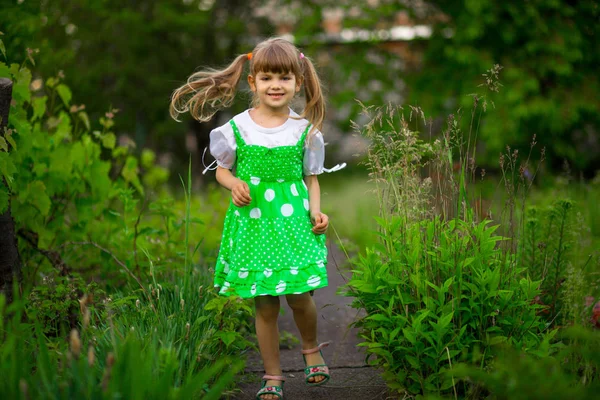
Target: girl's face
{"points": [[274, 90]]}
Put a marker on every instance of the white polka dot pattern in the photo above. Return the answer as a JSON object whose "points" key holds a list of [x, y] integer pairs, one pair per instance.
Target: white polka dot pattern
{"points": [[287, 210], [294, 190], [280, 288], [271, 249], [255, 213], [314, 281], [269, 195]]}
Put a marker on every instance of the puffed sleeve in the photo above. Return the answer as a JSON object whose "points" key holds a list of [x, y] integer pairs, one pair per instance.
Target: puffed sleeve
{"points": [[223, 147], [314, 154]]}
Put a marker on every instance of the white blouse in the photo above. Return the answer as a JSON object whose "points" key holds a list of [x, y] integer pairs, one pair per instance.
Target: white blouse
{"points": [[223, 146]]}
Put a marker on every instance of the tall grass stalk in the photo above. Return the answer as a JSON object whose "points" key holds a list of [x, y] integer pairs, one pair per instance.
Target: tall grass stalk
{"points": [[188, 195]]}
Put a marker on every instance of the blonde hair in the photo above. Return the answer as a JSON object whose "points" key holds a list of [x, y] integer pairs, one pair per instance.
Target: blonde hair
{"points": [[209, 91]]}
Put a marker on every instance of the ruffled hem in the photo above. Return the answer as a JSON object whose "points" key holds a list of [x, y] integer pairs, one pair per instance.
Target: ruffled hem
{"points": [[270, 281], [257, 289]]}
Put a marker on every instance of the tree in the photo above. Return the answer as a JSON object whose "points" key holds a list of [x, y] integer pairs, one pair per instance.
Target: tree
{"points": [[10, 262]]}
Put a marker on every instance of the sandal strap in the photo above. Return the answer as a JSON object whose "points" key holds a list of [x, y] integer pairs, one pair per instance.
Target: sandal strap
{"points": [[316, 349], [272, 390], [273, 378]]}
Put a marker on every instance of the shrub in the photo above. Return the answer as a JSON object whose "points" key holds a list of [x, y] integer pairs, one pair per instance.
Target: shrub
{"points": [[438, 293]]}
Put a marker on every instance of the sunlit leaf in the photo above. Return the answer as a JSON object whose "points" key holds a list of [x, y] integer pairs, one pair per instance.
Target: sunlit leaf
{"points": [[84, 117], [65, 94]]}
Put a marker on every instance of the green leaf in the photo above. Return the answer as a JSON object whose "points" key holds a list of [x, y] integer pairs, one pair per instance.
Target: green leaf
{"points": [[51, 82], [497, 339], [3, 144], [7, 167], [65, 94], [445, 320], [227, 337], [2, 48], [86, 120], [109, 140], [378, 317], [4, 71], [12, 142], [35, 194], [410, 336], [22, 79], [130, 173], [147, 158], [39, 107]]}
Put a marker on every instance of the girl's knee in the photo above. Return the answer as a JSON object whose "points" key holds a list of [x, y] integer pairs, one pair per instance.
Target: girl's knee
{"points": [[298, 302], [267, 308]]}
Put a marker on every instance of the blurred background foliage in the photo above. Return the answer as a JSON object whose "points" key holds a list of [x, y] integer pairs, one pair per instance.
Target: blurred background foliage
{"points": [[94, 213], [131, 55]]}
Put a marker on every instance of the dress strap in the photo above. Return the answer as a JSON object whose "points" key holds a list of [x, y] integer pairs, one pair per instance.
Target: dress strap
{"points": [[303, 137], [236, 132]]}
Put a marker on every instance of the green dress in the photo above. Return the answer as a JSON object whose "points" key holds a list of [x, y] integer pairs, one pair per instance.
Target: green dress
{"points": [[268, 247]]}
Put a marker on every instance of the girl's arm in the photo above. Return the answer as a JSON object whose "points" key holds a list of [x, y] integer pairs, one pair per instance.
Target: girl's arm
{"points": [[319, 220], [240, 192]]}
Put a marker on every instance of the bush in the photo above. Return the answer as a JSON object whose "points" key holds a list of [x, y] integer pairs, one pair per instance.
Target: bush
{"points": [[438, 292]]}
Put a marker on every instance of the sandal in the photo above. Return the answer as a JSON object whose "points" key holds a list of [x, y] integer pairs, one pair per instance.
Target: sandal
{"points": [[316, 370], [273, 390]]}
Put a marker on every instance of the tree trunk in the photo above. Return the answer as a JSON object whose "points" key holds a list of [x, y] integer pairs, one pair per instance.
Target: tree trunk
{"points": [[10, 262]]}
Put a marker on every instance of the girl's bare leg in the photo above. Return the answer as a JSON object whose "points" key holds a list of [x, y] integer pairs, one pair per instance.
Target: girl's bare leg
{"points": [[267, 332], [305, 316]]}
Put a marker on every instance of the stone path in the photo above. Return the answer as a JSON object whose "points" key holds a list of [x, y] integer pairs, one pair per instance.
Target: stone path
{"points": [[351, 378]]}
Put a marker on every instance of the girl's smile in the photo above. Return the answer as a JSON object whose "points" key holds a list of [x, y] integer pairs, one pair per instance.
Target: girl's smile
{"points": [[274, 90]]}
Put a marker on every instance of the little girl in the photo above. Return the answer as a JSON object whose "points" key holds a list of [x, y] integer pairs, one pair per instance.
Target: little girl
{"points": [[273, 240]]}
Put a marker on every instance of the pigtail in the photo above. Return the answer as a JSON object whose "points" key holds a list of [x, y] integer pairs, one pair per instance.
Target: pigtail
{"points": [[207, 92], [313, 93]]}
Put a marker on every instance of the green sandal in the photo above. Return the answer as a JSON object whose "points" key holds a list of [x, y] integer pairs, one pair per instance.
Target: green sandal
{"points": [[273, 390], [316, 370]]}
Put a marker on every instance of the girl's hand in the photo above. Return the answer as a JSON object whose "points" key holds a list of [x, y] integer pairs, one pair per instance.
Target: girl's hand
{"points": [[240, 193], [320, 222]]}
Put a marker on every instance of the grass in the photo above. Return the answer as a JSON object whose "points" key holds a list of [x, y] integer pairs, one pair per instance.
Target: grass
{"points": [[349, 198]]}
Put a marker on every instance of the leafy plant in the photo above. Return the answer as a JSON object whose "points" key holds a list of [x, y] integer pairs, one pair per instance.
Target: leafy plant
{"points": [[440, 286], [134, 367], [437, 293], [516, 375]]}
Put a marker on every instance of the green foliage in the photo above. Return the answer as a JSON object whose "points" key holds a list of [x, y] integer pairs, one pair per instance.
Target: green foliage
{"points": [[440, 286], [438, 292], [56, 303], [555, 249], [86, 207], [549, 50], [130, 55], [527, 376], [132, 367], [198, 326], [79, 198], [547, 243]]}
